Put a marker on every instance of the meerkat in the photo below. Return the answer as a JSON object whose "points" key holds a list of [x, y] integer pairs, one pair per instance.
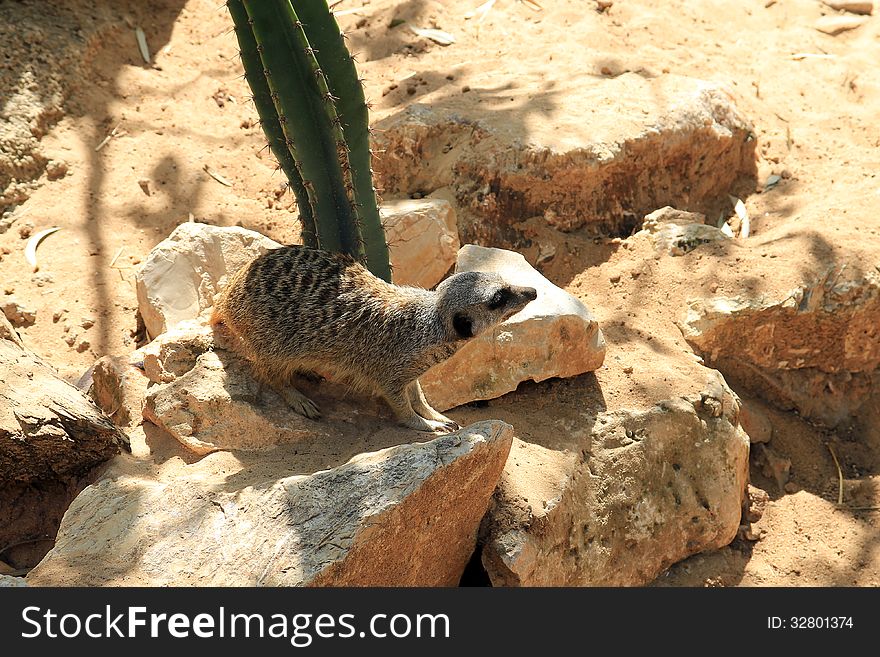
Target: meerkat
{"points": [[297, 310]]}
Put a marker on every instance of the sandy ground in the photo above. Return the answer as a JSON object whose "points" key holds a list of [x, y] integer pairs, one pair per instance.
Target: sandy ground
{"points": [[186, 114]]}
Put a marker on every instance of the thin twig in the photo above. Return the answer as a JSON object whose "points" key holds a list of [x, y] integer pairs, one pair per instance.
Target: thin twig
{"points": [[839, 475], [118, 253]]}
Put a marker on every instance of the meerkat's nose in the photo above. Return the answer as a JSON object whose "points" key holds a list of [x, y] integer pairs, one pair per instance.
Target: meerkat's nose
{"points": [[530, 293]]}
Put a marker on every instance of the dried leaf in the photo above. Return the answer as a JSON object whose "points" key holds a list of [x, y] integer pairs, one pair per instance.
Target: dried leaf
{"points": [[438, 36], [30, 251], [480, 12], [216, 176], [142, 44]]}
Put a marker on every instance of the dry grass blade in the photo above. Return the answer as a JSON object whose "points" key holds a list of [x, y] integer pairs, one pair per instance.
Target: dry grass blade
{"points": [[116, 257], [438, 36], [113, 133], [839, 475], [142, 44], [798, 56], [531, 4], [30, 251], [216, 176], [481, 12]]}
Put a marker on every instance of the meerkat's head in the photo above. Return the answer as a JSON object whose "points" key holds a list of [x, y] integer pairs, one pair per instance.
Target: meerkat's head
{"points": [[474, 301]]}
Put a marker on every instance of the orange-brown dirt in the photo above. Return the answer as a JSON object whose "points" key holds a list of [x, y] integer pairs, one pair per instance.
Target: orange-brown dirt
{"points": [[186, 113]]}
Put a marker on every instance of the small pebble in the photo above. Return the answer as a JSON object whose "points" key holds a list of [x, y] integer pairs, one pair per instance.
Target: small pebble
{"points": [[56, 169]]}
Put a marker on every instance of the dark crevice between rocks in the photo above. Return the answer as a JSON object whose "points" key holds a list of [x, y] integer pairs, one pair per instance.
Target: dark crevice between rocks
{"points": [[474, 573]]}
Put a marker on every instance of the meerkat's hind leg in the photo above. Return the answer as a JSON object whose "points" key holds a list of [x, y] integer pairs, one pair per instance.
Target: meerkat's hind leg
{"points": [[300, 403], [279, 380], [421, 406], [402, 406]]}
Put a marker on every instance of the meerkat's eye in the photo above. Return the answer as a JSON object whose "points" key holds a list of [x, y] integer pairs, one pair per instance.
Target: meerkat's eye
{"points": [[498, 299]]}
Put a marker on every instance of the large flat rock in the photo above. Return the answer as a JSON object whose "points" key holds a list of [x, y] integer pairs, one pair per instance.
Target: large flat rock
{"points": [[405, 515]]}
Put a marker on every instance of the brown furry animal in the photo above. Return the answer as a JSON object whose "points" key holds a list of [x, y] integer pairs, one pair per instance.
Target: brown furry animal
{"points": [[294, 310]]}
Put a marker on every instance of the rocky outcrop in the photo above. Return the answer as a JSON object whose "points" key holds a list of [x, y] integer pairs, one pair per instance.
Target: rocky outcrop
{"points": [[666, 140], [402, 516], [51, 437], [554, 336], [617, 501], [816, 350]]}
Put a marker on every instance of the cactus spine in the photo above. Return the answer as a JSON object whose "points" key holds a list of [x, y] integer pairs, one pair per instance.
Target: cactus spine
{"points": [[312, 110]]}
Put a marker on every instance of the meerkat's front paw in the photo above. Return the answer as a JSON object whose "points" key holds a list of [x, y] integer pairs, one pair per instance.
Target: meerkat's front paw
{"points": [[301, 404]]}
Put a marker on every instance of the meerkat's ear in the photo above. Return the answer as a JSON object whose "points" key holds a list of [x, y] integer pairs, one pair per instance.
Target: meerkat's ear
{"points": [[463, 325]]}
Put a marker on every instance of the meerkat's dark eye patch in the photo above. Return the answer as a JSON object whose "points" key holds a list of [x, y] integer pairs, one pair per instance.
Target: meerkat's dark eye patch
{"points": [[463, 325], [499, 299]]}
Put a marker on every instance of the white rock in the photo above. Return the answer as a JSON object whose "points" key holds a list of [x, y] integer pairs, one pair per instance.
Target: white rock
{"points": [[181, 275], [7, 581], [676, 233], [835, 25], [423, 240], [554, 336], [403, 516]]}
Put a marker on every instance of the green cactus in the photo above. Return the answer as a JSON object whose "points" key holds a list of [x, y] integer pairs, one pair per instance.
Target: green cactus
{"points": [[312, 109]]}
